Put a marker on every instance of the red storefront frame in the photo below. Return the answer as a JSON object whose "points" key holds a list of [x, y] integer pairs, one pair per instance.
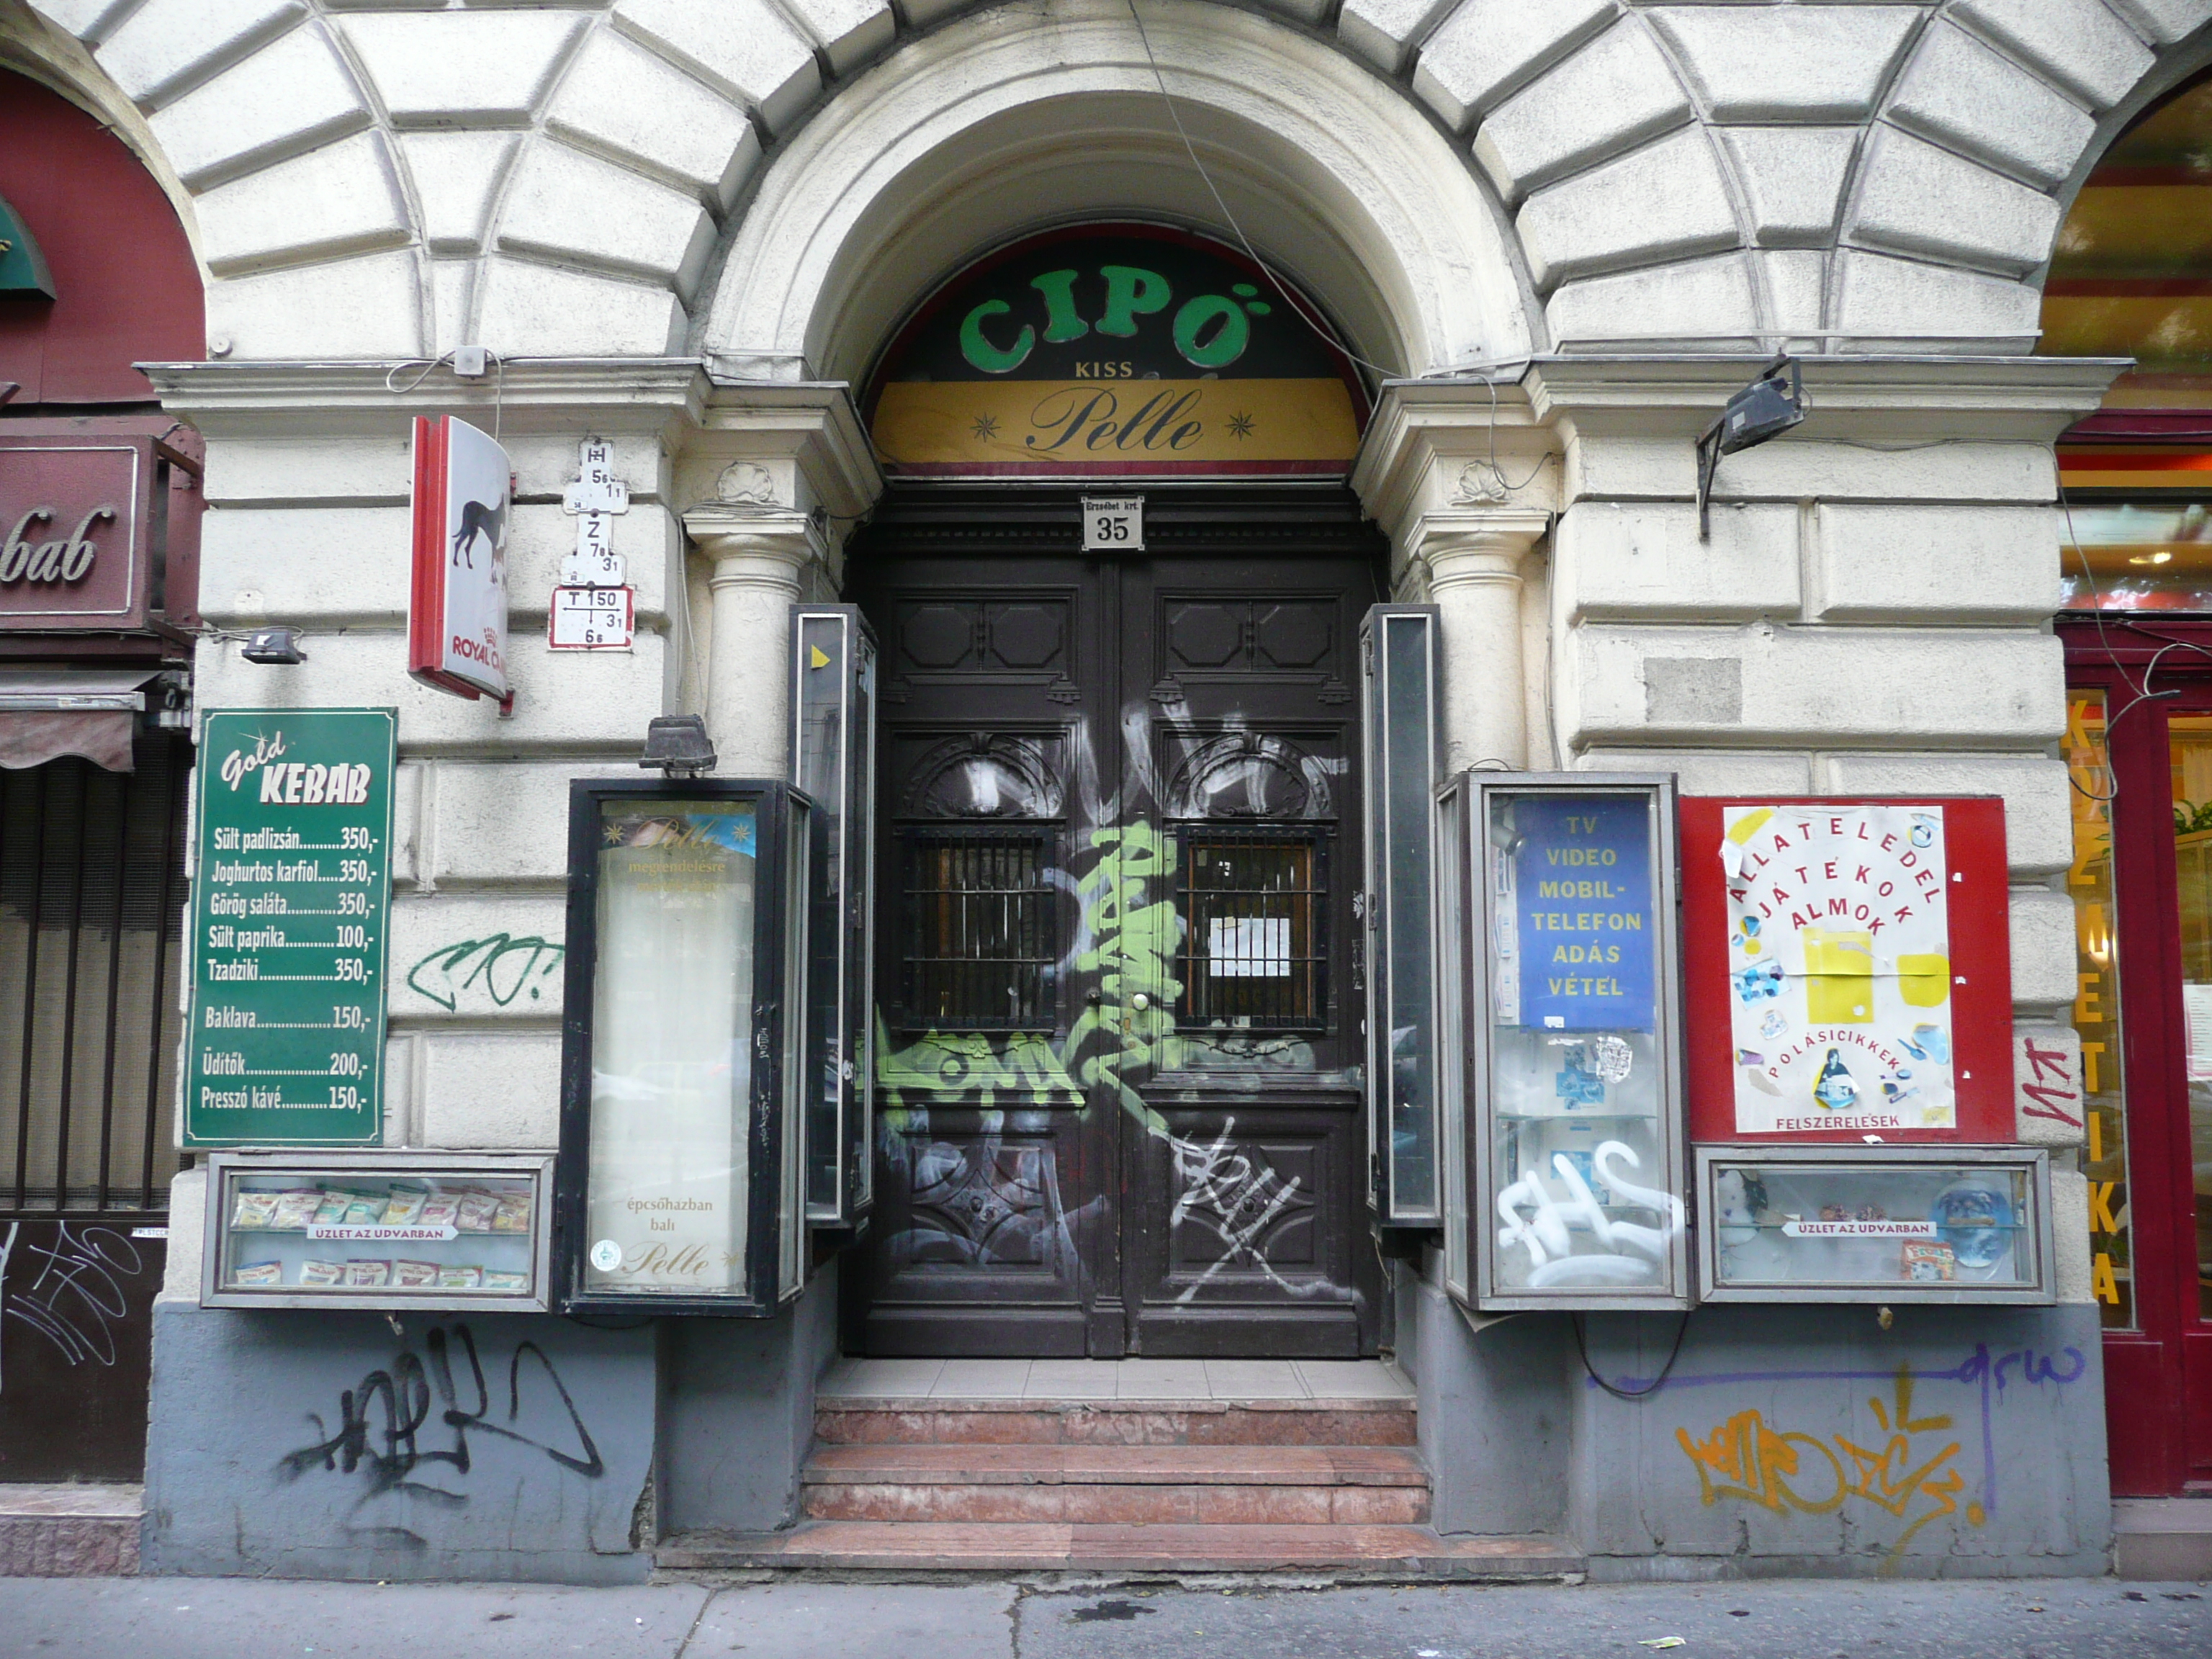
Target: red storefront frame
{"points": [[2158, 1376]]}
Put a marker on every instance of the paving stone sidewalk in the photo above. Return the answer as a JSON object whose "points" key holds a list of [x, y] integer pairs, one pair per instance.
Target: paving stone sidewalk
{"points": [[221, 1618]]}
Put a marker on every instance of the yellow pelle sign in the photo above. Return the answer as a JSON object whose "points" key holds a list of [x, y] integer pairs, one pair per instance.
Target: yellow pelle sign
{"points": [[1117, 426]]}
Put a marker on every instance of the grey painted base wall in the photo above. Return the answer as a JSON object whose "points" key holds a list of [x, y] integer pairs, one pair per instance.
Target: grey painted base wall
{"points": [[1785, 1440], [322, 1445], [514, 1448], [737, 1413]]}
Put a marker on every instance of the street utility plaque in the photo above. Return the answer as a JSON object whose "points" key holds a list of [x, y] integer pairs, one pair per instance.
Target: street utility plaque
{"points": [[291, 905]]}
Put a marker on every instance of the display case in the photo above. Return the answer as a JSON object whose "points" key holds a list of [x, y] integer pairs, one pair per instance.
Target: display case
{"points": [[1567, 970], [686, 1047], [1896, 1223], [833, 759], [1398, 684], [430, 1230]]}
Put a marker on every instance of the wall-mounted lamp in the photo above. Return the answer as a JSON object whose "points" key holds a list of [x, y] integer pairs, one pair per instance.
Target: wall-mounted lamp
{"points": [[276, 646], [677, 745], [1765, 409]]}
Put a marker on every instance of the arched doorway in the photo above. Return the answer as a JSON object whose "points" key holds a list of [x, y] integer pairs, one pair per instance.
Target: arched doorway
{"points": [[96, 275], [1118, 1089]]}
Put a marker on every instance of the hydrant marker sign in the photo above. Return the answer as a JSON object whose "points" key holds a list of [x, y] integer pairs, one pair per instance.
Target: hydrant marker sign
{"points": [[291, 906], [1839, 967]]}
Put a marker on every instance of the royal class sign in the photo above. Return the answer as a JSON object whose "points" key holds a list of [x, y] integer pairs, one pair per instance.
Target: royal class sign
{"points": [[1124, 351], [291, 903], [456, 611]]}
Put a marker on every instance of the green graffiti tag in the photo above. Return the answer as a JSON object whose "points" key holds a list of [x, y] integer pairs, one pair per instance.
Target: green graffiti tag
{"points": [[505, 966]]}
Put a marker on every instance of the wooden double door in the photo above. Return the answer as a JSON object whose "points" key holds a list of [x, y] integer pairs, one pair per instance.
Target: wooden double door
{"points": [[1118, 1091]]}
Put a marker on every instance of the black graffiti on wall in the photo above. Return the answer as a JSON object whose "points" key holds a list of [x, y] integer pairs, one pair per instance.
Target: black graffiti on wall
{"points": [[405, 1429]]}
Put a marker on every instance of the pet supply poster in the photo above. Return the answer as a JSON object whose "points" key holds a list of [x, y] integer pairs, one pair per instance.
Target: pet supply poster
{"points": [[1839, 968]]}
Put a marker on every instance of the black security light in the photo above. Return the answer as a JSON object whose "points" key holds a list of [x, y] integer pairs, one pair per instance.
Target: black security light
{"points": [[1765, 409], [677, 745], [276, 646]]}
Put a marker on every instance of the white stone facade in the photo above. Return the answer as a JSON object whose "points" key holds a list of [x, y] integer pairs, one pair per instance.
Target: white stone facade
{"points": [[683, 225]]}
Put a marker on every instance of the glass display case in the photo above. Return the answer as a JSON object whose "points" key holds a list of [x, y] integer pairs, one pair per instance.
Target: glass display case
{"points": [[1398, 684], [685, 1048], [1574, 1175], [377, 1229], [1899, 1224], [833, 759]]}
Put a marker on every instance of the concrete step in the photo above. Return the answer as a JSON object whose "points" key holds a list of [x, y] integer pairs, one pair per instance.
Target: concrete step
{"points": [[1283, 1485], [909, 1548], [2162, 1538], [69, 1531], [863, 1421]]}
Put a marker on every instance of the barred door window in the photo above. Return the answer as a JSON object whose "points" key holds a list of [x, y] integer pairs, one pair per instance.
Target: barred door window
{"points": [[1253, 955], [91, 886], [980, 930]]}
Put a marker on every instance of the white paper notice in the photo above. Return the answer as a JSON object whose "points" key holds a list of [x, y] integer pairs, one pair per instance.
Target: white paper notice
{"points": [[1839, 968], [2197, 1009], [1249, 947]]}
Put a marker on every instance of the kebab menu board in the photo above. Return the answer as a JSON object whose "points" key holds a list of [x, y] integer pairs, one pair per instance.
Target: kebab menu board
{"points": [[291, 903], [1849, 971]]}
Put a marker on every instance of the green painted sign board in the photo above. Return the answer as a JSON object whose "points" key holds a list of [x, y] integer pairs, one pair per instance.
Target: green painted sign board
{"points": [[291, 914]]}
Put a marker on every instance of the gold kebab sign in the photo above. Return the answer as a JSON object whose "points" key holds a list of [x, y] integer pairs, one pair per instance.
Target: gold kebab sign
{"points": [[1123, 351]]}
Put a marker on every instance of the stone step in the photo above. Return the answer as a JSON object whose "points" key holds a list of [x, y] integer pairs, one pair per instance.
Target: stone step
{"points": [[907, 1548], [868, 1420], [69, 1531], [1280, 1485]]}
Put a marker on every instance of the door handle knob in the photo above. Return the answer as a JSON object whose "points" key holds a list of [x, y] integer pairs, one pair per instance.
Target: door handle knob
{"points": [[1140, 1002]]}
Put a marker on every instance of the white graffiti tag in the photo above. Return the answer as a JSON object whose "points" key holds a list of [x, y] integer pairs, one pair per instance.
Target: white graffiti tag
{"points": [[1234, 1197], [1627, 1252]]}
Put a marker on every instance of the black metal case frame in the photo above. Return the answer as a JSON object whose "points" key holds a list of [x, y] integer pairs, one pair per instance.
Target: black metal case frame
{"points": [[773, 1131]]}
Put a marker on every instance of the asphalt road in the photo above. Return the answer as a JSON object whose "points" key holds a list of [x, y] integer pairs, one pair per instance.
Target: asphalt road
{"points": [[222, 1618]]}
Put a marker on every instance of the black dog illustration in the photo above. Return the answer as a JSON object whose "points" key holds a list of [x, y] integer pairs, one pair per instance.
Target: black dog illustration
{"points": [[479, 519]]}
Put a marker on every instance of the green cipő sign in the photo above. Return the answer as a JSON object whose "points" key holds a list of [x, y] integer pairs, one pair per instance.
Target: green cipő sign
{"points": [[291, 910]]}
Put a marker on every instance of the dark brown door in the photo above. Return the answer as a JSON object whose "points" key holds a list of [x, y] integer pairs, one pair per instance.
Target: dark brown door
{"points": [[1118, 1093]]}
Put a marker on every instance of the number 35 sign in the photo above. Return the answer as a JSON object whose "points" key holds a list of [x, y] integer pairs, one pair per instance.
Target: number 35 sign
{"points": [[1113, 524]]}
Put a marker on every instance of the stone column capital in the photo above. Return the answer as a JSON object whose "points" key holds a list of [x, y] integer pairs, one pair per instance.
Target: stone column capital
{"points": [[751, 543], [1475, 544]]}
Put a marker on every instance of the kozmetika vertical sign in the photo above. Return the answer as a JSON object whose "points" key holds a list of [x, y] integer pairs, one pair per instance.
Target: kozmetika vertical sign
{"points": [[1129, 351], [291, 906]]}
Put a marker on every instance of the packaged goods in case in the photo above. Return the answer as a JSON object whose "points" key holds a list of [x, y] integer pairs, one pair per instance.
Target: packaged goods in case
{"points": [[1805, 1221], [404, 1234]]}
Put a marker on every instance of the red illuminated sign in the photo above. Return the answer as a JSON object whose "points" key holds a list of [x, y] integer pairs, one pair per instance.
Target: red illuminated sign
{"points": [[457, 613]]}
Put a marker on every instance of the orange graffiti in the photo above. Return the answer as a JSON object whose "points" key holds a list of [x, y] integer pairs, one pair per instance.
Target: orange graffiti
{"points": [[1747, 1459]]}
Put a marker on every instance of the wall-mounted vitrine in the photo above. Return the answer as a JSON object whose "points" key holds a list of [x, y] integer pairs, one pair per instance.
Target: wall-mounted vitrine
{"points": [[1893, 1224], [685, 1050], [1397, 907], [1570, 1025], [432, 1230], [833, 759]]}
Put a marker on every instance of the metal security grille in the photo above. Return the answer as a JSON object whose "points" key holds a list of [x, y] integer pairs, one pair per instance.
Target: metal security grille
{"points": [[979, 931], [91, 886], [1253, 955]]}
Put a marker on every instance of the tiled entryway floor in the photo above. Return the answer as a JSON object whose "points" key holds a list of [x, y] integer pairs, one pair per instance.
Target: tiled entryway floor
{"points": [[1116, 1379]]}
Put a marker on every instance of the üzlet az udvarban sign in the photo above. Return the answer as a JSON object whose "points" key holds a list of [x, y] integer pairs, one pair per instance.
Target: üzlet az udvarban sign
{"points": [[291, 905]]}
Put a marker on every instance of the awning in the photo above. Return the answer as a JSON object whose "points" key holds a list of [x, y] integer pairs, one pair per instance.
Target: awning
{"points": [[47, 713]]}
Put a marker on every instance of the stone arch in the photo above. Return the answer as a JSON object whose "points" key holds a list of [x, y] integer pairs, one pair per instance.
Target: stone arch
{"points": [[375, 178], [994, 127]]}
